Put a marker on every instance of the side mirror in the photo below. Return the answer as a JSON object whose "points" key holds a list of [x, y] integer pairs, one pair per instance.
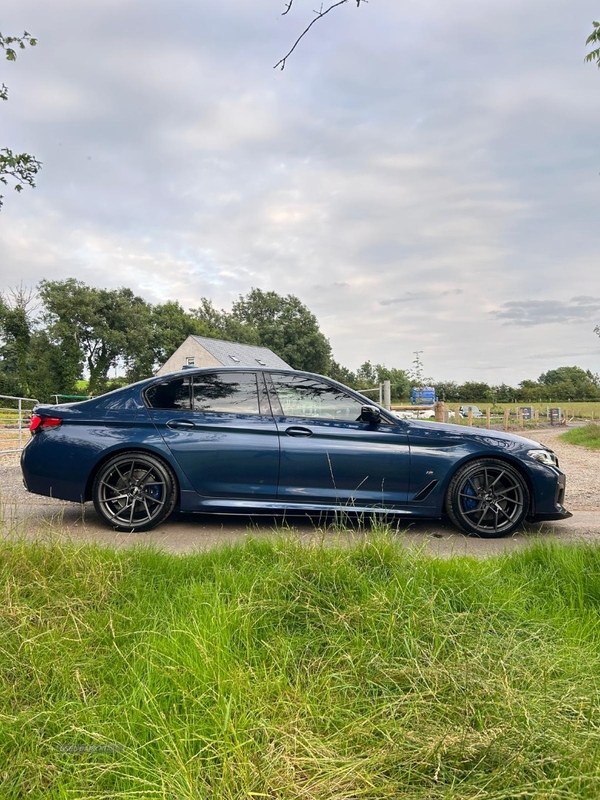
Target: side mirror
{"points": [[370, 414]]}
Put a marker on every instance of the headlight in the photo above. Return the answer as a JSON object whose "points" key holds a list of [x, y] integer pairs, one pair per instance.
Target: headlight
{"points": [[546, 457]]}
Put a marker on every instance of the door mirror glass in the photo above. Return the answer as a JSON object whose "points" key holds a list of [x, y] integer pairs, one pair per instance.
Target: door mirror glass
{"points": [[370, 414]]}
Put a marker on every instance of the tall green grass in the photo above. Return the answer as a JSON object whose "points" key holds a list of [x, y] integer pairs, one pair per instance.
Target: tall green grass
{"points": [[274, 669], [586, 436]]}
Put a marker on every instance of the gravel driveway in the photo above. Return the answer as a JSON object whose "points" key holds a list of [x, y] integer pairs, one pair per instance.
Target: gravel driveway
{"points": [[33, 516]]}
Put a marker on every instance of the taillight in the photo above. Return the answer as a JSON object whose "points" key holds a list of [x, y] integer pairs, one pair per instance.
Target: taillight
{"points": [[38, 422]]}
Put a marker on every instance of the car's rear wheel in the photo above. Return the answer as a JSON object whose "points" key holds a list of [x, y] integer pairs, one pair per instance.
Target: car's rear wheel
{"points": [[134, 492], [487, 498]]}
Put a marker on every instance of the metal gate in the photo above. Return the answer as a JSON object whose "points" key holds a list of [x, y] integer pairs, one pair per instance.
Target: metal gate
{"points": [[15, 415]]}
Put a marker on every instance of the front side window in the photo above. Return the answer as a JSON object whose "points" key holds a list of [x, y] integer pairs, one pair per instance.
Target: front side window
{"points": [[231, 393], [301, 396]]}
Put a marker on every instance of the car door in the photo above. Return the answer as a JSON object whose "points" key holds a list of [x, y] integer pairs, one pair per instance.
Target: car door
{"points": [[328, 455], [219, 428]]}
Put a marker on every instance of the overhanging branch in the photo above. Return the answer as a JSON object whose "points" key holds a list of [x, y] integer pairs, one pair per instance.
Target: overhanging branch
{"points": [[319, 15]]}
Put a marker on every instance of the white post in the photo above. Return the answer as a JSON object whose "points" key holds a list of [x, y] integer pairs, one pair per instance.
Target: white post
{"points": [[387, 395]]}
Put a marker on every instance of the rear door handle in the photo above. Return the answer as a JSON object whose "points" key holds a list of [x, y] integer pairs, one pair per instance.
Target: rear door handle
{"points": [[180, 423], [296, 431]]}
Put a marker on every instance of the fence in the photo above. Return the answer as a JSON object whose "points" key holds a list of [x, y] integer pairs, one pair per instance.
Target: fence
{"points": [[15, 414], [521, 417]]}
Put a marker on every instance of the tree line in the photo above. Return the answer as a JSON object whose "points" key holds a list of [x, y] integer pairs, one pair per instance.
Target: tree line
{"points": [[61, 332]]}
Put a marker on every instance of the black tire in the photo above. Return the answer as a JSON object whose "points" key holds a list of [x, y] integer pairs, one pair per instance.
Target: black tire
{"points": [[487, 498], [134, 492]]}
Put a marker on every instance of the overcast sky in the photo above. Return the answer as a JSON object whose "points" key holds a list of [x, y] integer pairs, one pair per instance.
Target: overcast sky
{"points": [[423, 175]]}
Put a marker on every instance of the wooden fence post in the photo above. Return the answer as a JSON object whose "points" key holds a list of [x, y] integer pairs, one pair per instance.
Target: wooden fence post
{"points": [[506, 415], [441, 414], [488, 418]]}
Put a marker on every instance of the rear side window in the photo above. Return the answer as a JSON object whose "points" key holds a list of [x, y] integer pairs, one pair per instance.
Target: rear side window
{"points": [[173, 394], [230, 393]]}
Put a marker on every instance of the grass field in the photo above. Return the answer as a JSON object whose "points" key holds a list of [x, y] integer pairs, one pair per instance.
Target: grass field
{"points": [[280, 670], [586, 436]]}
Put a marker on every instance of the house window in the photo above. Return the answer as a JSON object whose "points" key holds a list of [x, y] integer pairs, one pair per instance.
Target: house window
{"points": [[190, 361]]}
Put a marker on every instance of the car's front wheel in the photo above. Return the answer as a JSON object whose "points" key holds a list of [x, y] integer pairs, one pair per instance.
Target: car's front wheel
{"points": [[487, 498], [134, 492]]}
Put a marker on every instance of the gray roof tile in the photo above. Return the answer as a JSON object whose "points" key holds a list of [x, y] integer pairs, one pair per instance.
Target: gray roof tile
{"points": [[232, 354]]}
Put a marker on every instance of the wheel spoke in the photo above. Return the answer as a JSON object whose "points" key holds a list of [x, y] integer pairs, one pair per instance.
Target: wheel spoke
{"points": [[120, 474], [495, 481], [117, 513], [484, 511], [151, 499], [501, 510], [148, 512], [507, 491], [470, 511], [112, 488]]}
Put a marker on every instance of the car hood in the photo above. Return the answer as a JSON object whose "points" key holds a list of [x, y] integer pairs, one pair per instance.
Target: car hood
{"points": [[482, 434]]}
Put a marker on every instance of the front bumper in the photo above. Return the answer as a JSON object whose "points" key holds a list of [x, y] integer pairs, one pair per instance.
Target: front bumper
{"points": [[559, 511]]}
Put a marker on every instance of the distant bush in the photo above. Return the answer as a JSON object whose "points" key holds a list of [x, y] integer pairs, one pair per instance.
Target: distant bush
{"points": [[587, 436]]}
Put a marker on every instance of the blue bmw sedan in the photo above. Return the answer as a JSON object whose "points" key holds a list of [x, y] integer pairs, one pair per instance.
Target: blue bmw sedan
{"points": [[249, 440]]}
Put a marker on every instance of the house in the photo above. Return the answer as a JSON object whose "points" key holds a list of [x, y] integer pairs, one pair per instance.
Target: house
{"points": [[201, 351]]}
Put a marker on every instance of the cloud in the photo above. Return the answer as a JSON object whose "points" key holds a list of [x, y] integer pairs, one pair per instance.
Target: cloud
{"points": [[544, 312], [411, 297], [407, 193]]}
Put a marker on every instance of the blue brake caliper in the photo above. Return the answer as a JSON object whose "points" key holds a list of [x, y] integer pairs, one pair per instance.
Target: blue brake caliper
{"points": [[469, 505]]}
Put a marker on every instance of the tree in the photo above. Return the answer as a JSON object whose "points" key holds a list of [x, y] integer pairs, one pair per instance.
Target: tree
{"points": [[503, 393], [570, 383], [342, 374], [476, 392], [448, 391], [21, 168], [16, 327], [221, 325], [594, 38], [286, 326], [51, 369], [165, 327], [319, 15], [369, 376], [530, 391], [95, 327]]}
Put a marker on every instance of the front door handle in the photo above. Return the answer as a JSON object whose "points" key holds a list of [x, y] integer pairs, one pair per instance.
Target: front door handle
{"points": [[296, 431], [180, 423]]}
